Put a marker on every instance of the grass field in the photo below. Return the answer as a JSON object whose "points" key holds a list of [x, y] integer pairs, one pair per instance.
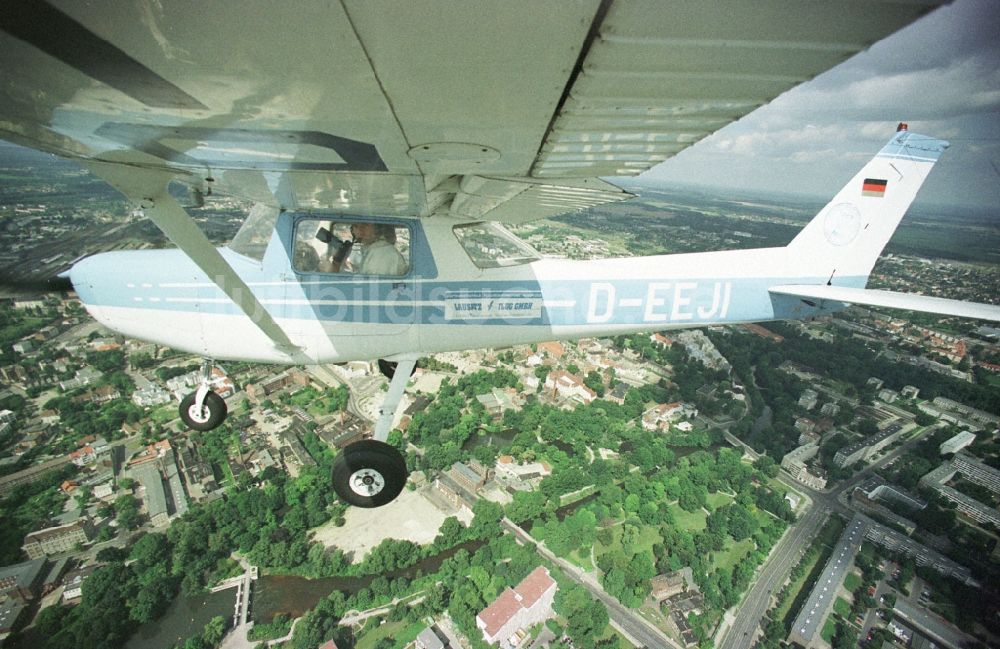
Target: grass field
{"points": [[401, 632], [852, 581], [12, 333], [581, 558], [164, 414], [692, 521], [732, 553], [842, 607], [717, 500], [648, 535], [763, 517], [829, 628]]}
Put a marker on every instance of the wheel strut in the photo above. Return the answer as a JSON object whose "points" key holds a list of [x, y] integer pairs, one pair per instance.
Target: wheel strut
{"points": [[392, 398], [203, 383]]}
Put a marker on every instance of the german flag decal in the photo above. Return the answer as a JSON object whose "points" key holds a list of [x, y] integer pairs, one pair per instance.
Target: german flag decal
{"points": [[873, 187]]}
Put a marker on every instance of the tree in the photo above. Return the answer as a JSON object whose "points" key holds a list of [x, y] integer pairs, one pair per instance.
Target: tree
{"points": [[450, 533], [595, 382], [586, 617], [486, 521], [128, 512], [766, 465], [214, 631], [149, 551], [154, 592], [742, 524], [845, 637]]}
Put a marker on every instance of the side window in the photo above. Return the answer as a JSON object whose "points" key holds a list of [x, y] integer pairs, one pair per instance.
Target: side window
{"points": [[490, 245], [252, 238], [361, 248]]}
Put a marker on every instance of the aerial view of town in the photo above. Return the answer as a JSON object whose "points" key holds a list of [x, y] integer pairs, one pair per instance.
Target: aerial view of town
{"points": [[832, 483]]}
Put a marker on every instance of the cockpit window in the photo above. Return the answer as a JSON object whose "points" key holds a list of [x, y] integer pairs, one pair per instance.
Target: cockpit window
{"points": [[490, 245], [252, 238], [361, 248]]}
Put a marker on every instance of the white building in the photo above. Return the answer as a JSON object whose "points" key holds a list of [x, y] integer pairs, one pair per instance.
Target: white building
{"points": [[151, 395], [888, 396], [662, 415], [957, 443], [795, 463], [568, 386], [507, 469]]}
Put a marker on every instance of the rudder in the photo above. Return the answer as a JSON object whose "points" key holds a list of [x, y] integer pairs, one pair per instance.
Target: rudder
{"points": [[844, 240]]}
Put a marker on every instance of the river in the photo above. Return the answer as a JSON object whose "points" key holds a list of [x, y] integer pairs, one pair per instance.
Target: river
{"points": [[489, 439], [185, 617], [271, 596], [293, 595], [276, 594]]}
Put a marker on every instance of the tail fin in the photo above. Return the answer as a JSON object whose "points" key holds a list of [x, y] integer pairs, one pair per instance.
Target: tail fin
{"points": [[845, 239]]}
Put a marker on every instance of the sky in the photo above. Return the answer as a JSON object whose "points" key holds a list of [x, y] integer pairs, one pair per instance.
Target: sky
{"points": [[941, 75]]}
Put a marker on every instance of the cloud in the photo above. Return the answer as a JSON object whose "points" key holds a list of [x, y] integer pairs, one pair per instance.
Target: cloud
{"points": [[940, 75], [964, 87]]}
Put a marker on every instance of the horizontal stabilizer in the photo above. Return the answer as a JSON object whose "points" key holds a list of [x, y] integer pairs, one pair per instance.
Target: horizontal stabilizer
{"points": [[891, 300]]}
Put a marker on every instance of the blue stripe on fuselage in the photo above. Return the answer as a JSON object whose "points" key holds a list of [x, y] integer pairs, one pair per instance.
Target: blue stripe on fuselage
{"points": [[653, 301]]}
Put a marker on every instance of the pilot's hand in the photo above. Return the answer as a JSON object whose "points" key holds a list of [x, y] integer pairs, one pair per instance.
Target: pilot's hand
{"points": [[342, 253]]}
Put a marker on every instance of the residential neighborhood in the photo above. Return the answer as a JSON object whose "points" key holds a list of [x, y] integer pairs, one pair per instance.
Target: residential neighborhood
{"points": [[820, 484]]}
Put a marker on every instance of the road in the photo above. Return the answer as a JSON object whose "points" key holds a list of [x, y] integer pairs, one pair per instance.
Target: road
{"points": [[627, 621], [772, 576], [786, 553]]}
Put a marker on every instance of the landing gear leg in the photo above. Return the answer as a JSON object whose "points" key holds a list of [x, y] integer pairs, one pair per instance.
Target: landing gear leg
{"points": [[203, 409], [371, 473]]}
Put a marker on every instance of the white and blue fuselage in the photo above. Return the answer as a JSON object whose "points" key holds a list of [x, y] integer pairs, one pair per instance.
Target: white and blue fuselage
{"points": [[446, 302], [443, 303]]}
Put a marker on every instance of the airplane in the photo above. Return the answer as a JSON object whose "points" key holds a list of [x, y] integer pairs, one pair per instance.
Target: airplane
{"points": [[385, 144]]}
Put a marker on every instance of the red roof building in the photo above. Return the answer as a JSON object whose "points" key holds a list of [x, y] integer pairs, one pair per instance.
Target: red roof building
{"points": [[527, 604], [552, 348]]}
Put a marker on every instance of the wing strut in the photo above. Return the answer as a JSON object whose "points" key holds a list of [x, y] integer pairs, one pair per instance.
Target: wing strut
{"points": [[148, 187]]}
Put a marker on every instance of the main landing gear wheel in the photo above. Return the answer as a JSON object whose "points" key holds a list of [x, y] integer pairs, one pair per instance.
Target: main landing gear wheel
{"points": [[369, 473], [209, 416]]}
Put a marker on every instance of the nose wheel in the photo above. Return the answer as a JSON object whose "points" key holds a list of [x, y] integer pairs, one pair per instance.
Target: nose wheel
{"points": [[369, 473]]}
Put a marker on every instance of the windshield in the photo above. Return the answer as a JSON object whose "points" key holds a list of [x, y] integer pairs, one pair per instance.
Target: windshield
{"points": [[252, 238], [490, 245]]}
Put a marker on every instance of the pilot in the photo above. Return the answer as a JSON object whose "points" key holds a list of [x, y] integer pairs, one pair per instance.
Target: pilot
{"points": [[306, 258], [379, 255]]}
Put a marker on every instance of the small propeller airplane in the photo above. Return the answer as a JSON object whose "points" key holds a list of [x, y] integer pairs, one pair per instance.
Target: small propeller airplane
{"points": [[384, 144]]}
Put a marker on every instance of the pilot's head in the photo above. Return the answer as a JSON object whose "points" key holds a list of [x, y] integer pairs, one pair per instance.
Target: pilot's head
{"points": [[371, 232]]}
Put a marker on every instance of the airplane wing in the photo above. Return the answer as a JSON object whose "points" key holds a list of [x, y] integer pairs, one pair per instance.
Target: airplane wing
{"points": [[504, 111], [892, 300]]}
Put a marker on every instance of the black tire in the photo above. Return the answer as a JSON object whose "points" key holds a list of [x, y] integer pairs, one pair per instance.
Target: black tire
{"points": [[369, 473], [213, 412], [388, 368]]}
